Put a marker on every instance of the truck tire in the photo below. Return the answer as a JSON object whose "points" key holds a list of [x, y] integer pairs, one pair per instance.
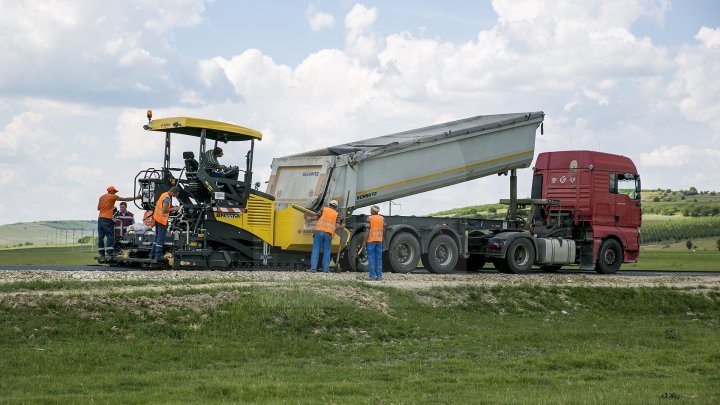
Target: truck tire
{"points": [[350, 260], [500, 265], [403, 254], [520, 256], [472, 263], [442, 255], [610, 257]]}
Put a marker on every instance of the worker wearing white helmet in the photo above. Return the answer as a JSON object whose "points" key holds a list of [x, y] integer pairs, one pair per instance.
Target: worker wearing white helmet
{"points": [[327, 223], [374, 229]]}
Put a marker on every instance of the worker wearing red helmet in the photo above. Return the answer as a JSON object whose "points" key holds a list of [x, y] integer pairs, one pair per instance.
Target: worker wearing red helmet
{"points": [[106, 225]]}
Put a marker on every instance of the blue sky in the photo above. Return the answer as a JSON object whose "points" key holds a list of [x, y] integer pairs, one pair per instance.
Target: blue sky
{"points": [[634, 77]]}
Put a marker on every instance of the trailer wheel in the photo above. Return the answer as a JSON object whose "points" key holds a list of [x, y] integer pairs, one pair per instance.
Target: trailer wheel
{"points": [[350, 260], [404, 253], [442, 255], [472, 263], [520, 256], [610, 257]]}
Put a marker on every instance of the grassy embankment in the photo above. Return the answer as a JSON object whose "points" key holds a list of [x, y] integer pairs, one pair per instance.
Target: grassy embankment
{"points": [[354, 342]]}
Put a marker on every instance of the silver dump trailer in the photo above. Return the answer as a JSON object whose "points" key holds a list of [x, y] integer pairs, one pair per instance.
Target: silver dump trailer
{"points": [[392, 166], [375, 170]]}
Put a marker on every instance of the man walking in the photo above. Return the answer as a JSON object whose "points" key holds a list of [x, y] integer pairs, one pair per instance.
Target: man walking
{"points": [[163, 208], [106, 225], [375, 226], [327, 223]]}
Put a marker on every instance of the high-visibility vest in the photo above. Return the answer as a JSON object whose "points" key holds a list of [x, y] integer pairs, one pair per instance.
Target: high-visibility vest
{"points": [[377, 223], [159, 216], [148, 219], [326, 222]]}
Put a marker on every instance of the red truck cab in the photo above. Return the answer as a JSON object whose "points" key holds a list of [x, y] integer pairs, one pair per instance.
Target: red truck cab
{"points": [[600, 193]]}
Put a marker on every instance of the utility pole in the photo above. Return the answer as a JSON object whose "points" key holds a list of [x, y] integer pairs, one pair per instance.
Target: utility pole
{"points": [[390, 205]]}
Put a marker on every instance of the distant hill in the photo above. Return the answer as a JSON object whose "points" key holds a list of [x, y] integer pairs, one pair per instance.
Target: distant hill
{"points": [[668, 216], [689, 203], [45, 232]]}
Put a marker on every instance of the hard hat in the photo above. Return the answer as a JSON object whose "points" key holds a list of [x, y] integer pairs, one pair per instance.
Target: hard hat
{"points": [[334, 203], [375, 208], [112, 189]]}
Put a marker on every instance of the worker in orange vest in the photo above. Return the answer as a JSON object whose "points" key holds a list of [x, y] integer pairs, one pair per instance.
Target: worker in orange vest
{"points": [[374, 228], [106, 225], [163, 208], [327, 223], [148, 219]]}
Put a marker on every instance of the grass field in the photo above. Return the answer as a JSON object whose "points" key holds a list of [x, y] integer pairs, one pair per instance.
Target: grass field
{"points": [[340, 342], [66, 255]]}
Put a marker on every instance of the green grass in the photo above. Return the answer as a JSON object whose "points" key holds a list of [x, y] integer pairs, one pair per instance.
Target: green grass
{"points": [[347, 342], [66, 255]]}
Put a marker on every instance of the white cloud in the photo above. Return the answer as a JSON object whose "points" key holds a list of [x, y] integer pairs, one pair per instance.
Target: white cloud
{"points": [[96, 49], [679, 156], [23, 135], [696, 84], [8, 175], [709, 37], [318, 20], [360, 42], [675, 156]]}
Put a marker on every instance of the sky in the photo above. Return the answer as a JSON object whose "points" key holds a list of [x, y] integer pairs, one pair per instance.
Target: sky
{"points": [[640, 78]]}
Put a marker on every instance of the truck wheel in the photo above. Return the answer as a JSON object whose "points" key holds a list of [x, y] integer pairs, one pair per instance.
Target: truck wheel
{"points": [[442, 255], [610, 257], [520, 256], [404, 253], [350, 260], [500, 265], [472, 263]]}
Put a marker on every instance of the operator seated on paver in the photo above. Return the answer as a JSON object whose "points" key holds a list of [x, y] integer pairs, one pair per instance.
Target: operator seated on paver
{"points": [[215, 169], [123, 219]]}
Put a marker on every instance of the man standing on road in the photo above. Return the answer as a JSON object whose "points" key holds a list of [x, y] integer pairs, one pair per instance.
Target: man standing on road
{"points": [[375, 226], [106, 225], [327, 223], [163, 208]]}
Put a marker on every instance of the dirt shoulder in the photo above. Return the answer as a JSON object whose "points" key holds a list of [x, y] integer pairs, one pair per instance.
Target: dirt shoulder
{"points": [[407, 281]]}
